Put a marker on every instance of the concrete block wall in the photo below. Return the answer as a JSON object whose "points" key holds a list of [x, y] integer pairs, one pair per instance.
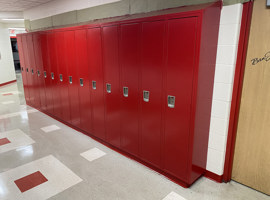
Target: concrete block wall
{"points": [[230, 23]]}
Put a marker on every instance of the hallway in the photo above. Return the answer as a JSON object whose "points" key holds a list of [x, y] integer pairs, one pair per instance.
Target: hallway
{"points": [[37, 151]]}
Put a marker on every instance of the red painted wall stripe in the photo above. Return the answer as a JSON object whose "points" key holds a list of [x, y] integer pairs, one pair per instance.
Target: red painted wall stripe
{"points": [[6, 83], [4, 141], [30, 181]]}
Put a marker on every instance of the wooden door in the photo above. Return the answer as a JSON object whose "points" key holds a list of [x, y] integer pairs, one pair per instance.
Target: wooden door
{"points": [[251, 164]]}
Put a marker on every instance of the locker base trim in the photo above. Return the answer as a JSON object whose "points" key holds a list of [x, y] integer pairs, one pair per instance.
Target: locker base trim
{"points": [[214, 177], [6, 83]]}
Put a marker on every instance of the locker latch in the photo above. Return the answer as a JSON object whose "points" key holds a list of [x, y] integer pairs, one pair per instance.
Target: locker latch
{"points": [[22, 69], [61, 77], [146, 95], [109, 88], [27, 70], [70, 79], [38, 73], [94, 85], [125, 91], [52, 75], [32, 72], [45, 74], [171, 101], [81, 81]]}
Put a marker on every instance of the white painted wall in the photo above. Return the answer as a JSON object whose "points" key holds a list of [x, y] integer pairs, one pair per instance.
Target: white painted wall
{"points": [[230, 23], [61, 6], [7, 70]]}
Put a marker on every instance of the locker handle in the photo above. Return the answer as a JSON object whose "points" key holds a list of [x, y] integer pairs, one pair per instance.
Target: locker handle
{"points": [[125, 91], [94, 85], [27, 70], [81, 81], [32, 72], [22, 69], [109, 88], [61, 77], [146, 95], [38, 73], [70, 79], [45, 74], [52, 75], [171, 101]]}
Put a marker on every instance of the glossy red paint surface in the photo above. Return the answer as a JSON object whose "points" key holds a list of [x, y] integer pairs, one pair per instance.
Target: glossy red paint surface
{"points": [[152, 80], [62, 71], [73, 88], [30, 181], [82, 70], [170, 54], [130, 40], [111, 67], [96, 74]]}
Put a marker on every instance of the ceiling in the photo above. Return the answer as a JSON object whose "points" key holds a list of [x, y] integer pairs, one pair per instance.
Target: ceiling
{"points": [[19, 5]]}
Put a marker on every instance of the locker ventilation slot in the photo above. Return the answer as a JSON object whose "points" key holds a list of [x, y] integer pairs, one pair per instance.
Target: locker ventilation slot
{"points": [[94, 85], [171, 101], [146, 95], [45, 74], [81, 81], [61, 77], [52, 75], [109, 88], [125, 91], [70, 79]]}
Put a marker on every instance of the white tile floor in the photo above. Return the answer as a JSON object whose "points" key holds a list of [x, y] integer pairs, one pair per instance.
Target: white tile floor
{"points": [[50, 128], [110, 177], [93, 154]]}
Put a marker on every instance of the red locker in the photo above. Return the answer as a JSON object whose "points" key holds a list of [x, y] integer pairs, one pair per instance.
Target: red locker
{"points": [[54, 75], [130, 68], [46, 73], [112, 84], [62, 59], [39, 70], [23, 66], [34, 98], [152, 90], [83, 78], [73, 80], [179, 80], [96, 79]]}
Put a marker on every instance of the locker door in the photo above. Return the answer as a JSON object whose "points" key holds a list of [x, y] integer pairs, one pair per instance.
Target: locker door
{"points": [[112, 84], [179, 79], [54, 76], [39, 69], [63, 76], [73, 85], [83, 79], [27, 70], [129, 58], [46, 72], [96, 78], [153, 34], [35, 99], [23, 66]]}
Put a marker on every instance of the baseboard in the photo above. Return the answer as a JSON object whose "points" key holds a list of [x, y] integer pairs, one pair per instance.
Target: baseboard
{"points": [[213, 176], [6, 83]]}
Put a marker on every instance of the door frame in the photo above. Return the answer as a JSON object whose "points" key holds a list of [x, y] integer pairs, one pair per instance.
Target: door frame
{"points": [[237, 88]]}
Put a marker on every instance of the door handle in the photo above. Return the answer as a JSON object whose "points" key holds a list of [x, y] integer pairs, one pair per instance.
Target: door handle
{"points": [[81, 81], [109, 88], [61, 77], [146, 95], [70, 79], [94, 85], [45, 74], [125, 91], [52, 75], [171, 101]]}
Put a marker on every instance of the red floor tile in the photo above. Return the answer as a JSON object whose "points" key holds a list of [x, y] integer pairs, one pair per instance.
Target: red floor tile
{"points": [[7, 94], [4, 141], [30, 181]]}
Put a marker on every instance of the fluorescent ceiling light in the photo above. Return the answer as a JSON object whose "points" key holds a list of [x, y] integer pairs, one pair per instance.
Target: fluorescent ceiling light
{"points": [[17, 28], [12, 19]]}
